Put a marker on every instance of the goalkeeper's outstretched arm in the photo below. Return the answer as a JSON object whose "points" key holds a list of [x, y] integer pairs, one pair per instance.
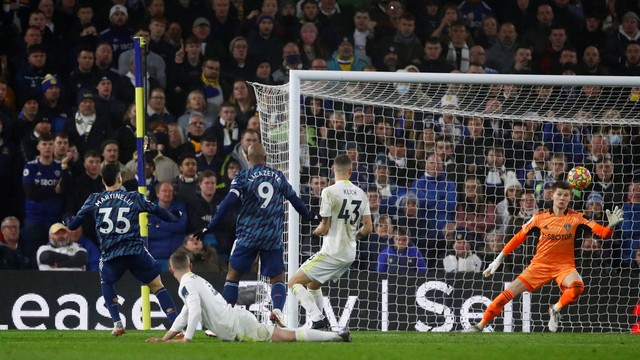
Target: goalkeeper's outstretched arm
{"points": [[614, 217], [515, 241]]}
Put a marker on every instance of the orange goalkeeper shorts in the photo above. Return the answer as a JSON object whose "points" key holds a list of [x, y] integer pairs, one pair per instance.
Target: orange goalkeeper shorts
{"points": [[536, 275]]}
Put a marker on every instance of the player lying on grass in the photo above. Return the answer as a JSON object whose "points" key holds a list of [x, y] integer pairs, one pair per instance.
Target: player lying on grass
{"points": [[203, 304], [554, 259]]}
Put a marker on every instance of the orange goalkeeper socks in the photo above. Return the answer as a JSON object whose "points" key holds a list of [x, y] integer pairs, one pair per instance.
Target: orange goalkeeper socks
{"points": [[571, 294], [496, 306]]}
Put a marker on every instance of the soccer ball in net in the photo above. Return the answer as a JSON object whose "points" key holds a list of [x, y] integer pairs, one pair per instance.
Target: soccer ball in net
{"points": [[579, 177]]}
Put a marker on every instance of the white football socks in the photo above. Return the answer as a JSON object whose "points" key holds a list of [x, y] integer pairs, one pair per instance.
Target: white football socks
{"points": [[317, 297], [311, 335], [307, 301]]}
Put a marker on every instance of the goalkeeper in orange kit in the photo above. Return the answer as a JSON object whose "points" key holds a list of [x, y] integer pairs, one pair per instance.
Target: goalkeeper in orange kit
{"points": [[554, 259]]}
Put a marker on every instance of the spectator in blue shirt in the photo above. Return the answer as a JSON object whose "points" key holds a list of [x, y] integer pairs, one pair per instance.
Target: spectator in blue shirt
{"points": [[564, 138], [402, 257], [29, 78], [118, 34], [631, 223], [164, 236], [436, 195]]}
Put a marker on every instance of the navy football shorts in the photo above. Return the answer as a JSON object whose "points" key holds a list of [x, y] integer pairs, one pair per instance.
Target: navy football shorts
{"points": [[143, 267], [271, 261]]}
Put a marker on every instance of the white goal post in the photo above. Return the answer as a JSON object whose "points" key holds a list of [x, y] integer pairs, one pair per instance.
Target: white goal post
{"points": [[564, 113]]}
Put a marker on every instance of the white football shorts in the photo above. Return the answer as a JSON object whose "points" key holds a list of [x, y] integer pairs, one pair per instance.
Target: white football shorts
{"points": [[322, 267], [249, 329]]}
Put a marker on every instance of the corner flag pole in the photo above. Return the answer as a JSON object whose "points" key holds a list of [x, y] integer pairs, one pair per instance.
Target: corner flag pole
{"points": [[138, 45]]}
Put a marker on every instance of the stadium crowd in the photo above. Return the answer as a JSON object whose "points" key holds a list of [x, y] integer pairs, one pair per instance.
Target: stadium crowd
{"points": [[445, 192]]}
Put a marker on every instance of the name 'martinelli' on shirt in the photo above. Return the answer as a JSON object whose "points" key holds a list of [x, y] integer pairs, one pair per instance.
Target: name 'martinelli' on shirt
{"points": [[117, 226], [114, 196]]}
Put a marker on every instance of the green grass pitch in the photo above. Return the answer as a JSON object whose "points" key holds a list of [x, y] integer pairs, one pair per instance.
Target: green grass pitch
{"points": [[93, 345]]}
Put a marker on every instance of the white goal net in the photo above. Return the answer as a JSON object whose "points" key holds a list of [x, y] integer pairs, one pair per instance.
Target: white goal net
{"points": [[455, 164]]}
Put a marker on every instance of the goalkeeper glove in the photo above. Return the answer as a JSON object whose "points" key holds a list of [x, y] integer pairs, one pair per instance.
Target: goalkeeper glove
{"points": [[614, 216], [199, 234], [495, 264], [176, 213]]}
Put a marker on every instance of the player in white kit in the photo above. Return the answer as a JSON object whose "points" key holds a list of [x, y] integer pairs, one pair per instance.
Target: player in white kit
{"points": [[343, 208], [203, 304]]}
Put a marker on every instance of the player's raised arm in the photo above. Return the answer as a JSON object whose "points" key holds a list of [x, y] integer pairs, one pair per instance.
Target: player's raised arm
{"points": [[297, 203], [162, 213], [614, 217], [515, 241], [229, 202], [300, 207], [82, 214]]}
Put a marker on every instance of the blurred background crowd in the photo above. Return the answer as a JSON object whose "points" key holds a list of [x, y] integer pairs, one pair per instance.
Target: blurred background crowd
{"points": [[446, 191]]}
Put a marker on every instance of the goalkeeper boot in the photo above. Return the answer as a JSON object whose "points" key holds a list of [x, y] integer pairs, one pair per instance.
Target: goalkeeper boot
{"points": [[276, 318], [473, 329], [118, 329], [322, 324], [345, 335], [554, 319]]}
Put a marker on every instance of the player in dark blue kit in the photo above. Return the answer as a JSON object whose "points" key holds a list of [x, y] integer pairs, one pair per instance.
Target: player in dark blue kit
{"points": [[116, 214], [260, 225]]}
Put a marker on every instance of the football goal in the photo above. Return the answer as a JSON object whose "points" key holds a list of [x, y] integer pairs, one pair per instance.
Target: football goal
{"points": [[454, 165]]}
